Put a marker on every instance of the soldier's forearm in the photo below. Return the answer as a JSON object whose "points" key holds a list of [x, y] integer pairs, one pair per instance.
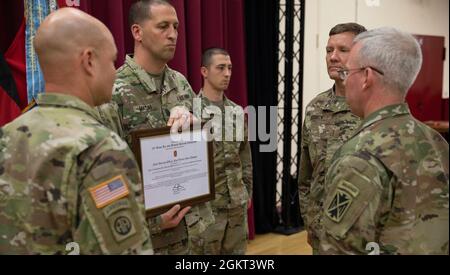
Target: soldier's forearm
{"points": [[154, 224]]}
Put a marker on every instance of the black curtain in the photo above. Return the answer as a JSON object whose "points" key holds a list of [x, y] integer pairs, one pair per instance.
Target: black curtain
{"points": [[262, 28]]}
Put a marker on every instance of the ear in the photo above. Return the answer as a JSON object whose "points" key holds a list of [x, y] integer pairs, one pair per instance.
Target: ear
{"points": [[87, 61], [369, 78], [204, 72], [136, 31]]}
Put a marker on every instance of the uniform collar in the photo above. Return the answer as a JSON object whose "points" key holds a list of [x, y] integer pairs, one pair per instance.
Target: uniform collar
{"points": [[169, 82], [66, 101], [336, 103], [225, 99], [384, 113]]}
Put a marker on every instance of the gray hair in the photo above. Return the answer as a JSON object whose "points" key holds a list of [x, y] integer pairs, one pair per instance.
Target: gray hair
{"points": [[396, 53]]}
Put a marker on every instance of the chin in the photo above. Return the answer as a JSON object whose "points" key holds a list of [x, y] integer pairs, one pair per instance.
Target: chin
{"points": [[169, 55], [334, 76]]}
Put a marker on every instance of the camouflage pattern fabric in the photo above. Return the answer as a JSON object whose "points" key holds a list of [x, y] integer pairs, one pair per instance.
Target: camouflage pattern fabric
{"points": [[228, 235], [137, 104], [388, 186], [140, 104], [328, 124], [50, 158], [233, 173]]}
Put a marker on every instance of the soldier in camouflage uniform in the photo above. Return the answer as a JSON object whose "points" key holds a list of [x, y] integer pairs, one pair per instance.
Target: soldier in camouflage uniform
{"points": [[328, 123], [65, 179], [387, 187], [148, 94], [232, 159]]}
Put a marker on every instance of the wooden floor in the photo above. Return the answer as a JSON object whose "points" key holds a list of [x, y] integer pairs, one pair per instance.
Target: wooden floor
{"points": [[275, 244]]}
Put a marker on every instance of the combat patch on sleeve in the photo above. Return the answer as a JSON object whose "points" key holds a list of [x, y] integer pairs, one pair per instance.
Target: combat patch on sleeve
{"points": [[342, 200], [109, 191]]}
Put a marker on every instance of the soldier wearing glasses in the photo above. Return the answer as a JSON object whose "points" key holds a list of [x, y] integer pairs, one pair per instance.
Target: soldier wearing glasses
{"points": [[388, 184]]}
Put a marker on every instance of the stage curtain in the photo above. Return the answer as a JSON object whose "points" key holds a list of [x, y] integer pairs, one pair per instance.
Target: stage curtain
{"points": [[13, 90], [204, 24], [262, 59]]}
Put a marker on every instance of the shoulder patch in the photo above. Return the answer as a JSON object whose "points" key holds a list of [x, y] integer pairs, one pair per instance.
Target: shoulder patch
{"points": [[109, 191], [339, 205], [342, 200]]}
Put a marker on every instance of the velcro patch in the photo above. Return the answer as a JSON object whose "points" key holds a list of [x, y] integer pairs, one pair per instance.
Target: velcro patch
{"points": [[349, 187], [339, 205], [109, 191], [122, 225]]}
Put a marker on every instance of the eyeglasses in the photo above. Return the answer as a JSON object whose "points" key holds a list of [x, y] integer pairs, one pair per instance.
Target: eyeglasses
{"points": [[344, 73]]}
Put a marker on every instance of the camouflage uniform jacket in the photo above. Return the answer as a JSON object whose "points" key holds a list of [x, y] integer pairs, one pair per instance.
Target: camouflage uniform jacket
{"points": [[138, 105], [50, 158], [232, 159], [388, 185], [328, 124]]}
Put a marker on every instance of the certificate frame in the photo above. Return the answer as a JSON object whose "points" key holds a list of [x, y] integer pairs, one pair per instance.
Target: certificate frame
{"points": [[137, 136]]}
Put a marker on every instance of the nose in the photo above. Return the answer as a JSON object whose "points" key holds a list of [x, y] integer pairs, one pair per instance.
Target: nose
{"points": [[227, 72], [334, 56], [173, 33]]}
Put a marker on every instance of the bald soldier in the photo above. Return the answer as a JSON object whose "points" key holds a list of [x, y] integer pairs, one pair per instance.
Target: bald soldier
{"points": [[387, 189], [64, 177]]}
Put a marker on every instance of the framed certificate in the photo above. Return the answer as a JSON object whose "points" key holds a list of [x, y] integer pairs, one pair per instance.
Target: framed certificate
{"points": [[176, 168]]}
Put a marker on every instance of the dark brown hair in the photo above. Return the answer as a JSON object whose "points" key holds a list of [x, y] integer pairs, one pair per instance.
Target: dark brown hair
{"points": [[347, 27]]}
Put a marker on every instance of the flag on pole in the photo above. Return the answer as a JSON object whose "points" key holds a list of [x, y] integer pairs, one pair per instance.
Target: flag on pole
{"points": [[35, 12]]}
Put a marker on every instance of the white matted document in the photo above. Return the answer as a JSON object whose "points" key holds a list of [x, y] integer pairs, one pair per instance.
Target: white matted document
{"points": [[174, 170]]}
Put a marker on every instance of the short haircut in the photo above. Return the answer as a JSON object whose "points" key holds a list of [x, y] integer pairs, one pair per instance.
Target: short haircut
{"points": [[351, 27], [209, 53], [141, 10], [396, 53]]}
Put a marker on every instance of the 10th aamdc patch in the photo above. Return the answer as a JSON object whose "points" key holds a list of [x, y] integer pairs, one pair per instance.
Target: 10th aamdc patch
{"points": [[109, 191], [342, 200]]}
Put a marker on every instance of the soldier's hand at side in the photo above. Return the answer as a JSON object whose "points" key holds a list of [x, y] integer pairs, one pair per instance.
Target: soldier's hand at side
{"points": [[249, 204], [172, 217]]}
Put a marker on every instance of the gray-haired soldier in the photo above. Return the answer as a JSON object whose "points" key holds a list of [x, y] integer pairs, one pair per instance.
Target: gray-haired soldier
{"points": [[388, 185]]}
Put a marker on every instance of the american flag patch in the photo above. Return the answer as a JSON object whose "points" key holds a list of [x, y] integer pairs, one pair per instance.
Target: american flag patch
{"points": [[109, 191]]}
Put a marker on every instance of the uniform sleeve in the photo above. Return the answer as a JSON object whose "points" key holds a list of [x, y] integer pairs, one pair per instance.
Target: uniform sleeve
{"points": [[245, 155], [155, 225], [305, 175], [111, 117], [359, 195], [111, 212]]}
